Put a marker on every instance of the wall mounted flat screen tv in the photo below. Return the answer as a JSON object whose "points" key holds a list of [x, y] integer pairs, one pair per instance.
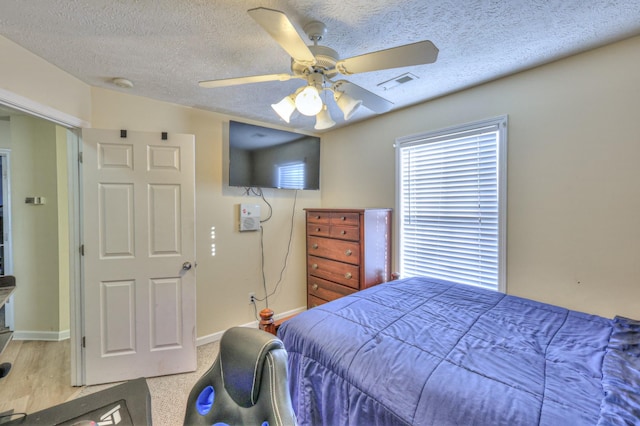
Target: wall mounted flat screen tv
{"points": [[270, 158]]}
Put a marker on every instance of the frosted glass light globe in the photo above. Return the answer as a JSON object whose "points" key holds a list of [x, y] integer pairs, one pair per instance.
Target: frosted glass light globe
{"points": [[324, 120], [308, 101], [285, 108]]}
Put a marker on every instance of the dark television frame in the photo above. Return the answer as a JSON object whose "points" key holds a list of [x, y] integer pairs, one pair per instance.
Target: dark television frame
{"points": [[263, 157]]}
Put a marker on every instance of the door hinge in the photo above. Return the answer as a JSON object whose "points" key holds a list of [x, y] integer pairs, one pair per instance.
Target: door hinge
{"points": [[84, 342], [82, 250], [80, 157]]}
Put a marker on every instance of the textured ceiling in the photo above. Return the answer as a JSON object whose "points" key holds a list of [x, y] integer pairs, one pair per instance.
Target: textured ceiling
{"points": [[166, 46]]}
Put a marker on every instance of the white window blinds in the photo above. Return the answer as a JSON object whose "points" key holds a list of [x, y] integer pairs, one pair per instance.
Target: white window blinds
{"points": [[291, 175], [451, 204]]}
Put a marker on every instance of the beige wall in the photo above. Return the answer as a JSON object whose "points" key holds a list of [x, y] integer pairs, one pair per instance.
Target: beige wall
{"points": [[573, 182], [33, 78], [40, 233], [41, 303], [573, 173], [224, 280], [35, 228]]}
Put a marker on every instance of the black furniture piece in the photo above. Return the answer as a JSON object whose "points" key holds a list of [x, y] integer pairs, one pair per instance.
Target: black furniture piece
{"points": [[7, 287], [247, 383], [128, 404]]}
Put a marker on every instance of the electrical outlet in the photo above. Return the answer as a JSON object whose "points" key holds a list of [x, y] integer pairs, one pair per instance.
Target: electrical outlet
{"points": [[252, 298]]}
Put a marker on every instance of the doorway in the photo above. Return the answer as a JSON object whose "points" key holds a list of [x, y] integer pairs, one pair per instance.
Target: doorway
{"points": [[52, 219]]}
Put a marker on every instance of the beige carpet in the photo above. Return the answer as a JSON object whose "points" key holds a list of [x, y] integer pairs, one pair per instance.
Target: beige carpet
{"points": [[169, 393]]}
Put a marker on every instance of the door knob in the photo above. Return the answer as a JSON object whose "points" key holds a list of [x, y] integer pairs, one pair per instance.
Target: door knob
{"points": [[186, 266]]}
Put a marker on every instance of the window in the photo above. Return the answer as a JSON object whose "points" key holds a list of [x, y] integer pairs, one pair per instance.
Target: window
{"points": [[291, 175], [451, 187]]}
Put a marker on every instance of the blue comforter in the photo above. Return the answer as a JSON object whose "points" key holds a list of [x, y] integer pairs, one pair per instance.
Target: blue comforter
{"points": [[425, 351]]}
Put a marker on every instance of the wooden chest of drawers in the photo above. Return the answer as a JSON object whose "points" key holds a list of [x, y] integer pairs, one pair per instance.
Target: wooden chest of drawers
{"points": [[347, 250]]}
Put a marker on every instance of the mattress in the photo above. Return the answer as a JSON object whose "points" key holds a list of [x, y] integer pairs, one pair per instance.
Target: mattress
{"points": [[429, 352]]}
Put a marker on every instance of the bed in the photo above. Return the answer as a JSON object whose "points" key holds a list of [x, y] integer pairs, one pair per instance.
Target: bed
{"points": [[426, 351]]}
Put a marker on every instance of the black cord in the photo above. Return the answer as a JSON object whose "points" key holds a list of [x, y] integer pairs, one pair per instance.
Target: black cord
{"points": [[255, 309], [286, 258], [264, 278], [267, 203]]}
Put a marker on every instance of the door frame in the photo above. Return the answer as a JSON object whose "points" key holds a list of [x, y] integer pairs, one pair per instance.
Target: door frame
{"points": [[73, 125], [5, 157]]}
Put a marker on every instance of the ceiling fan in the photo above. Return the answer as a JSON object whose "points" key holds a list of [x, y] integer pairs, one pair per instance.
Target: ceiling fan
{"points": [[320, 65]]}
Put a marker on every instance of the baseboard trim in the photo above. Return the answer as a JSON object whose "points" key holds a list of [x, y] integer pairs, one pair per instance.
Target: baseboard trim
{"points": [[48, 336], [210, 338], [57, 336]]}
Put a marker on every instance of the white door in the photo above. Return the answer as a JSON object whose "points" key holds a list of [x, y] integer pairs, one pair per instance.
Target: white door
{"points": [[138, 231]]}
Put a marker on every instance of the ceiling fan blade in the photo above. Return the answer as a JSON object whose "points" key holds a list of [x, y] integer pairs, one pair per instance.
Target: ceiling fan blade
{"points": [[278, 25], [422, 52], [210, 84], [370, 100]]}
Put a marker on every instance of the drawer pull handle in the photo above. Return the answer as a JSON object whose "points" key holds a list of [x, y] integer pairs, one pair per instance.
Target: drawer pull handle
{"points": [[315, 246], [343, 218], [348, 252], [317, 229], [314, 266], [314, 286], [318, 217], [343, 232], [348, 275]]}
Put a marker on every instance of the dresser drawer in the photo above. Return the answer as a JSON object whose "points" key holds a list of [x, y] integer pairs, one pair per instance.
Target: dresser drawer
{"points": [[327, 290], [351, 233], [313, 302], [318, 229], [344, 251], [339, 272], [314, 216], [340, 218]]}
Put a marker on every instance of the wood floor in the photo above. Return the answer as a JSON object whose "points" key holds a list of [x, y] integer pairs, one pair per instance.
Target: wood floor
{"points": [[39, 377]]}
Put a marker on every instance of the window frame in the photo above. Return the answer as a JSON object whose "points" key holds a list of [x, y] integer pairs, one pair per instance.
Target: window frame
{"points": [[501, 124]]}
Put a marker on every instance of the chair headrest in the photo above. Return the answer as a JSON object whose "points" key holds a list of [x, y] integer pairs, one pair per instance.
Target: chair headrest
{"points": [[242, 355]]}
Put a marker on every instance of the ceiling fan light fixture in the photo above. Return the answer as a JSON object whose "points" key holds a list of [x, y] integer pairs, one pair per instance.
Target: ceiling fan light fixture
{"points": [[285, 108], [308, 101], [346, 103], [323, 119], [320, 65]]}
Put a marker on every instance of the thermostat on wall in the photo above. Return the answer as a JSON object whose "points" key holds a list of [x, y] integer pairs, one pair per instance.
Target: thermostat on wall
{"points": [[249, 217], [36, 201]]}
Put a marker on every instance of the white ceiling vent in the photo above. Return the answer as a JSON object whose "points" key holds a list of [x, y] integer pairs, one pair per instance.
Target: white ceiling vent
{"points": [[397, 81]]}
